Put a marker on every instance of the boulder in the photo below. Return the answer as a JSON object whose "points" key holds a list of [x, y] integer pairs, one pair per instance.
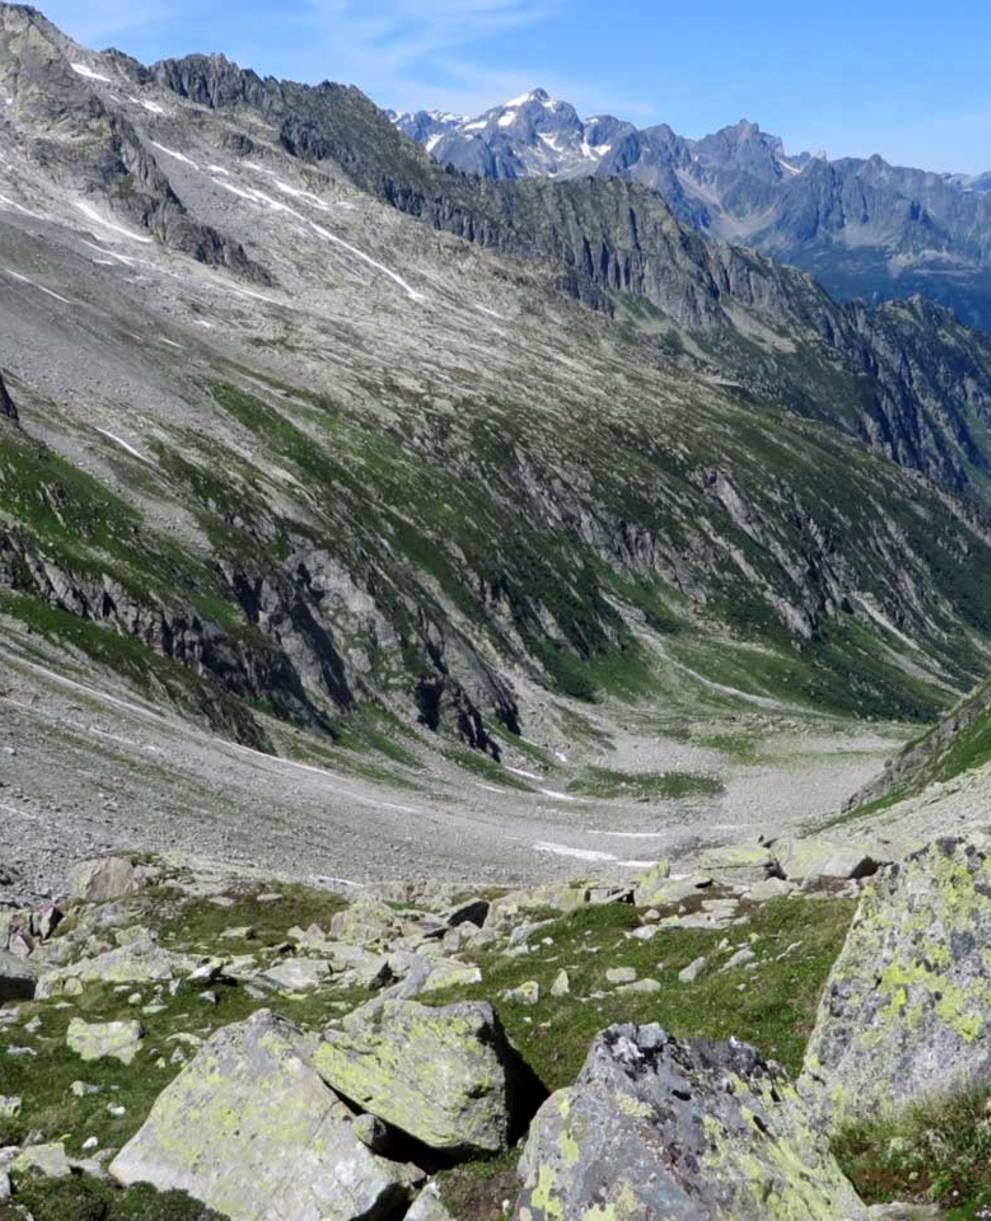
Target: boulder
{"points": [[138, 963], [103, 1040], [769, 888], [49, 1160], [658, 1127], [906, 1012], [251, 1129], [657, 889], [363, 921], [99, 881], [428, 1206], [447, 1076], [18, 978], [296, 974], [655, 876], [827, 859]]}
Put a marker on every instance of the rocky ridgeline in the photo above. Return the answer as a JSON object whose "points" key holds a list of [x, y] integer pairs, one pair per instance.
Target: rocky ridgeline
{"points": [[345, 1068]]}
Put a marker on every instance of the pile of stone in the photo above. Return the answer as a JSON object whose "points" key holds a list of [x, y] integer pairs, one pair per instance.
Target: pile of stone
{"points": [[265, 1120]]}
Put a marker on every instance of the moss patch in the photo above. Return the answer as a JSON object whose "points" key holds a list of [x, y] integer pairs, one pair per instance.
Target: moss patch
{"points": [[643, 786]]}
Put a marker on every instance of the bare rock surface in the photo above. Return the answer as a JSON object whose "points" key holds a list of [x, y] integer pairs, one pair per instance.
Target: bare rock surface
{"points": [[906, 1012], [249, 1128], [658, 1127]]}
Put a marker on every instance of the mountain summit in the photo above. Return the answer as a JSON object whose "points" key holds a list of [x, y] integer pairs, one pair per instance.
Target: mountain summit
{"points": [[862, 226]]}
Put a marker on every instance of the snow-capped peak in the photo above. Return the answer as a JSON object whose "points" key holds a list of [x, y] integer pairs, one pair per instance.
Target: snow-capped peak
{"points": [[535, 95]]}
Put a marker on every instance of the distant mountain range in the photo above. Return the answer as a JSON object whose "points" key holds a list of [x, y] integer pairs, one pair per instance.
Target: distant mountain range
{"points": [[864, 228]]}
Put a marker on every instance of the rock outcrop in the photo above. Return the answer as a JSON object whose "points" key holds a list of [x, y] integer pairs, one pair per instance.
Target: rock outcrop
{"points": [[8, 409], [906, 1013], [657, 1127], [18, 978], [250, 1128], [107, 878]]}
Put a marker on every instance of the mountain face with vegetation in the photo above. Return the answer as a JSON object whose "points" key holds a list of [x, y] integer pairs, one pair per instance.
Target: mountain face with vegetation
{"points": [[287, 451], [863, 227]]}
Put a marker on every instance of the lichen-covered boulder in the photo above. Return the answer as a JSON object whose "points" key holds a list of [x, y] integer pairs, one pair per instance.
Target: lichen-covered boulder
{"points": [[656, 887], [447, 1077], [814, 857], [365, 921], [138, 963], [906, 1012], [250, 1129], [658, 1127], [18, 978], [296, 974], [104, 1040]]}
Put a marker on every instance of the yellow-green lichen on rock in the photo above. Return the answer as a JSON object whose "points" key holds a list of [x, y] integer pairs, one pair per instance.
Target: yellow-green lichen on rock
{"points": [[906, 1013], [446, 1076], [659, 1127], [250, 1128], [104, 1040]]}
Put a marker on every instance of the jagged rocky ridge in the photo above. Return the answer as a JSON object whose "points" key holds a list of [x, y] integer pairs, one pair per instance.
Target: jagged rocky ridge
{"points": [[862, 226], [902, 364]]}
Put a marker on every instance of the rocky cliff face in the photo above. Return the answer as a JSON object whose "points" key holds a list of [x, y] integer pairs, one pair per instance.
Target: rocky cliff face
{"points": [[865, 228]]}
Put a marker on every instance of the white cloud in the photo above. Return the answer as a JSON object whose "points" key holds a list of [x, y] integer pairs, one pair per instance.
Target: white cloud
{"points": [[403, 53], [96, 23]]}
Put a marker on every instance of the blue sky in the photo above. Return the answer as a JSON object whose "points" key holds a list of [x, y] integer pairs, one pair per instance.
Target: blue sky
{"points": [[909, 79]]}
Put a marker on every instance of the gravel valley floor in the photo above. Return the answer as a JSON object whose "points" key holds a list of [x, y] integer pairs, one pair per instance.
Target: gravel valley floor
{"points": [[87, 767]]}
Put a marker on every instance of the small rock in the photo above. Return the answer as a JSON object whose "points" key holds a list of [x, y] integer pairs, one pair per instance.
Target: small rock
{"points": [[770, 888], [428, 1206], [527, 993], [561, 985], [82, 1089], [371, 1131], [10, 1106], [241, 932], [742, 956], [641, 985], [646, 932], [621, 975], [101, 1040], [296, 974], [102, 880], [688, 975]]}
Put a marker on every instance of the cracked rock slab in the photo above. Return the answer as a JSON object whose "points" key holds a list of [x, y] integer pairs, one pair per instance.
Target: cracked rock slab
{"points": [[659, 1127], [445, 1076], [906, 1012]]}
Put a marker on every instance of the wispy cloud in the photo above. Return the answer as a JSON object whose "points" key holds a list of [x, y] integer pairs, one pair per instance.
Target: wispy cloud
{"points": [[96, 23], [460, 55]]}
